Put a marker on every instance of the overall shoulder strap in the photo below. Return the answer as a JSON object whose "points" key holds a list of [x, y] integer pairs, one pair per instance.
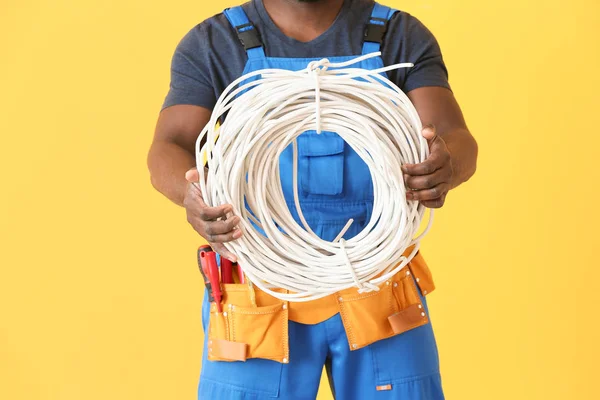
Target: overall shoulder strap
{"points": [[246, 31], [376, 28]]}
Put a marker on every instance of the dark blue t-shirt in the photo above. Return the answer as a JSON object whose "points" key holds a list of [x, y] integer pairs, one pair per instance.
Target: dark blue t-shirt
{"points": [[211, 56]]}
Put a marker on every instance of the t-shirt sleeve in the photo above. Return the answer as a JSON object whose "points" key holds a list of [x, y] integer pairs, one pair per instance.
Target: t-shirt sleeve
{"points": [[190, 73], [408, 40]]}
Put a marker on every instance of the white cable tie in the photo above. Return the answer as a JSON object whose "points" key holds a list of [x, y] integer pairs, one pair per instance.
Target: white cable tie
{"points": [[363, 287], [344, 255], [316, 75], [369, 287], [315, 69]]}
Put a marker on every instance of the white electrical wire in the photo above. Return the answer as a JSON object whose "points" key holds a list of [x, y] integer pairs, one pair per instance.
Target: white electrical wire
{"points": [[266, 115]]}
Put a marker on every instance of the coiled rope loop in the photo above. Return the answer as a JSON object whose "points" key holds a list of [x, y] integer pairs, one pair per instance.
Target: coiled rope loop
{"points": [[266, 115]]}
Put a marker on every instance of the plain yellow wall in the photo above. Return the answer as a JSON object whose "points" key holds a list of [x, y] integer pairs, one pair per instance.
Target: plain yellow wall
{"points": [[99, 291]]}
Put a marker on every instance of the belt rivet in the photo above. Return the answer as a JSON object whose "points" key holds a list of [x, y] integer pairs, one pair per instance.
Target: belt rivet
{"points": [[285, 360], [355, 345], [340, 299], [420, 306], [424, 291], [225, 314], [418, 280], [395, 284], [285, 306], [422, 314], [407, 272]]}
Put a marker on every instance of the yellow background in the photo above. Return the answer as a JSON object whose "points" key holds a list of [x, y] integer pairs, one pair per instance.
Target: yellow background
{"points": [[99, 291]]}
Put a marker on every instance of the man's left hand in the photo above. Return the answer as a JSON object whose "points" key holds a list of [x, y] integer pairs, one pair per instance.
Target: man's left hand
{"points": [[430, 181]]}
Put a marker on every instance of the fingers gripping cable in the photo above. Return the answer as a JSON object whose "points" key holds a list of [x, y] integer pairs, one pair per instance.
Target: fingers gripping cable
{"points": [[266, 115]]}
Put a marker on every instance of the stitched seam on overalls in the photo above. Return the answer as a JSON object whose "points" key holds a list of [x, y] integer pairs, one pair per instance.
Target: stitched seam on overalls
{"points": [[376, 340], [241, 389], [375, 365], [308, 59], [332, 204], [412, 378]]}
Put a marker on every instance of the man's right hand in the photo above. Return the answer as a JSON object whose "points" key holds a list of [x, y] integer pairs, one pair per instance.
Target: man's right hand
{"points": [[212, 223]]}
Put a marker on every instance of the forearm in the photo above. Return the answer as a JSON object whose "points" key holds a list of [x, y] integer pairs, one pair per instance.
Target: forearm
{"points": [[168, 163], [463, 153]]}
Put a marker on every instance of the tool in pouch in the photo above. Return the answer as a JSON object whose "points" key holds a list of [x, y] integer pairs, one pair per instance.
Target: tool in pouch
{"points": [[207, 262], [247, 323], [208, 265], [238, 328]]}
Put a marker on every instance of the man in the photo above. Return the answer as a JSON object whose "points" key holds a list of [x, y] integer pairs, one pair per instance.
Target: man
{"points": [[273, 33]]}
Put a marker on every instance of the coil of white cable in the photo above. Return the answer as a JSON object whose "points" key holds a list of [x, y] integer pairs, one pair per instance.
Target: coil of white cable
{"points": [[266, 115]]}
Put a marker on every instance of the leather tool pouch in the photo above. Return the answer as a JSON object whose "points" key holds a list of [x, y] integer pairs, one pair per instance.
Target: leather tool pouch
{"points": [[396, 308], [247, 329]]}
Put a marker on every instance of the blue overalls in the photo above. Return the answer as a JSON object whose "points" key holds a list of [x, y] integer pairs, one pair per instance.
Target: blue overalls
{"points": [[334, 186]]}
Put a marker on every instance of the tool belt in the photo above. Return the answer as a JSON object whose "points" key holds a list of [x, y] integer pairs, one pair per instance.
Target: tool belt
{"points": [[254, 324]]}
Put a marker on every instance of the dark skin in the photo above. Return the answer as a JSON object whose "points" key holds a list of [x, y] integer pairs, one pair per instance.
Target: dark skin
{"points": [[171, 159], [303, 20]]}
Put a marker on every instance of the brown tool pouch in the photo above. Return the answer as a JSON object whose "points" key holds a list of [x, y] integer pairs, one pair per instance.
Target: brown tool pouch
{"points": [[250, 326], [396, 308], [254, 324]]}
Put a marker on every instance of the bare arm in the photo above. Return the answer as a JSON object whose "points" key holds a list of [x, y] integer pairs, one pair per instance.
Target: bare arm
{"points": [[453, 156], [172, 152], [171, 161]]}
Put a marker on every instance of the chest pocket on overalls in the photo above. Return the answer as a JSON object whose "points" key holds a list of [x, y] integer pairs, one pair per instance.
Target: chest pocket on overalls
{"points": [[321, 163]]}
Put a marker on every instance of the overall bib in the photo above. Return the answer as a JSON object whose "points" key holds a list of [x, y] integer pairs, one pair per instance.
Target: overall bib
{"points": [[334, 186]]}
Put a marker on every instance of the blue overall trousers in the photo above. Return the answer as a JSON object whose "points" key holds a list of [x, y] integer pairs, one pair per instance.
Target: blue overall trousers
{"points": [[334, 186]]}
